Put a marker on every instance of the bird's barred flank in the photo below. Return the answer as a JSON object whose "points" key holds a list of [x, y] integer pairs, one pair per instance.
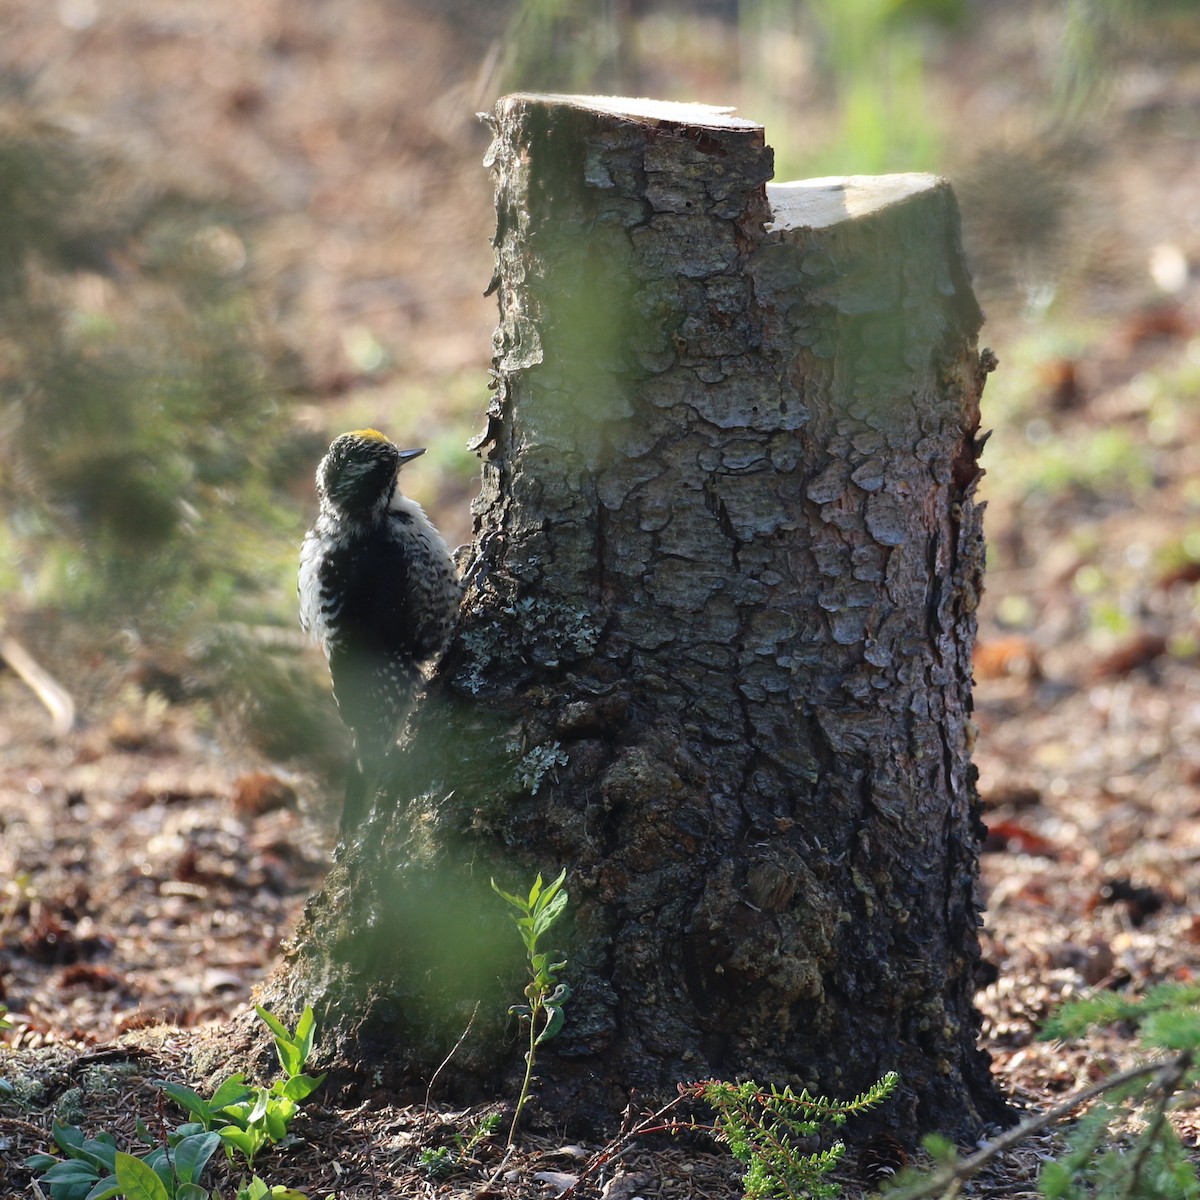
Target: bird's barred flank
{"points": [[379, 590]]}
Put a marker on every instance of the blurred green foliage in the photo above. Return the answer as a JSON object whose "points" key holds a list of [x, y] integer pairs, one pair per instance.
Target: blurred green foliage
{"points": [[866, 86], [875, 54], [146, 448], [1097, 33], [871, 54], [1051, 455], [566, 46]]}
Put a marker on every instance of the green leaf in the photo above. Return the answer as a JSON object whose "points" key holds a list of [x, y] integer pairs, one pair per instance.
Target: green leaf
{"points": [[74, 1190], [191, 1191], [188, 1100], [100, 1151], [306, 1026], [548, 915], [552, 894], [244, 1140], [291, 1060], [1054, 1182], [276, 1124], [306, 1034], [161, 1165], [105, 1189], [554, 1022], [273, 1023], [230, 1091], [940, 1149], [69, 1169], [39, 1162], [515, 901], [299, 1087], [138, 1181], [187, 1129], [262, 1101], [1173, 1029], [238, 1114], [292, 1049], [159, 1160], [67, 1137], [192, 1155]]}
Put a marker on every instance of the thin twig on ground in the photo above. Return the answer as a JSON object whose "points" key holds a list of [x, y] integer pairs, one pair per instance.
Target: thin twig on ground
{"points": [[948, 1180], [453, 1051]]}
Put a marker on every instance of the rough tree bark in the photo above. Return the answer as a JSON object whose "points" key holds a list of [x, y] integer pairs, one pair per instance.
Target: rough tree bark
{"points": [[715, 652]]}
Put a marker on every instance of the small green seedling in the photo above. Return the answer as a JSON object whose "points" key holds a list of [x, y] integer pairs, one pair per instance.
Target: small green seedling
{"points": [[256, 1189], [237, 1116], [546, 993], [438, 1163], [94, 1169], [442, 1162], [768, 1130], [248, 1118]]}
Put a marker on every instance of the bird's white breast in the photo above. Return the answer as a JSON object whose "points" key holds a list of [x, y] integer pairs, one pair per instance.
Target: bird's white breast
{"points": [[319, 539]]}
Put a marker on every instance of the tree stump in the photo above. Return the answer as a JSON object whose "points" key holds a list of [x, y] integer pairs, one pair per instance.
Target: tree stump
{"points": [[715, 653]]}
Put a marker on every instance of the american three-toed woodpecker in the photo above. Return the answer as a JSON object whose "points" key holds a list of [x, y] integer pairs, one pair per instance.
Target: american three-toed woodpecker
{"points": [[378, 588]]}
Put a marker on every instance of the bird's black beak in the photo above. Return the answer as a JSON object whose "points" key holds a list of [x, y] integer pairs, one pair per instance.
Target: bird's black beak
{"points": [[405, 455]]}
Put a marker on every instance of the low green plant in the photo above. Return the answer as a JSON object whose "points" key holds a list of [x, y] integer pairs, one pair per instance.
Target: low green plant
{"points": [[1165, 1017], [545, 992], [248, 1118], [443, 1161], [239, 1117], [1123, 1147], [17, 891], [1152, 1163], [138, 1181], [438, 1162], [256, 1189], [770, 1132], [773, 1132], [94, 1169]]}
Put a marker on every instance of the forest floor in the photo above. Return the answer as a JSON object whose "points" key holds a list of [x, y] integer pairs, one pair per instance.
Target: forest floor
{"points": [[149, 872]]}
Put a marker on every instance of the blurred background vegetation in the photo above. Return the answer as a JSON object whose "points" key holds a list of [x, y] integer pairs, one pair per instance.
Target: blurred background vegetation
{"points": [[229, 231]]}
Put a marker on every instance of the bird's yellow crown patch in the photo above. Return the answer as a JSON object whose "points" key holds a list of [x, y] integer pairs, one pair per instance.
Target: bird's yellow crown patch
{"points": [[372, 434]]}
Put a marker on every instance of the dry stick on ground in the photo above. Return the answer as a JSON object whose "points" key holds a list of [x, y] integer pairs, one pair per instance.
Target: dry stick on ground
{"points": [[948, 1180], [1167, 1084], [453, 1051], [54, 697], [620, 1145], [23, 1127]]}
